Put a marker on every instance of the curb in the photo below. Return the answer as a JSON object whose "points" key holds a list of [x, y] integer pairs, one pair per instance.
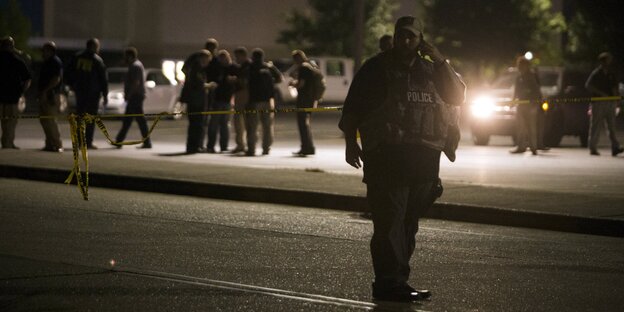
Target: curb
{"points": [[442, 211]]}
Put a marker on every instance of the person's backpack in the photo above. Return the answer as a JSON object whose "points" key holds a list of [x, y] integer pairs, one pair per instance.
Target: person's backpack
{"points": [[318, 85]]}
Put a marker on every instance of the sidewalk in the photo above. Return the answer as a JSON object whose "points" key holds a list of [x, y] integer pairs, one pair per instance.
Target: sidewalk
{"points": [[190, 175]]}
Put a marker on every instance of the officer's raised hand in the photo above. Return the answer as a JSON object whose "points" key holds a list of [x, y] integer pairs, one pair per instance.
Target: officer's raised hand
{"points": [[428, 49]]}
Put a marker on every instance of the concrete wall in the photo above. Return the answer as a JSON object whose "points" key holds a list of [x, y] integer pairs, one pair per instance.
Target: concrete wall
{"points": [[161, 28], [173, 29]]}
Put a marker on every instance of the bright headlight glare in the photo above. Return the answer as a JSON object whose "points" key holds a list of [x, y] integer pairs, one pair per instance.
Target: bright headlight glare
{"points": [[293, 91], [482, 107]]}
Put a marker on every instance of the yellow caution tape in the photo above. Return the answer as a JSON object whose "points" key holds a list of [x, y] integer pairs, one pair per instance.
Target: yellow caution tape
{"points": [[78, 124], [566, 100]]}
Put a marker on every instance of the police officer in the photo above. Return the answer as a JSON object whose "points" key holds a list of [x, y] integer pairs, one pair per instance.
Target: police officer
{"points": [[398, 102], [602, 82], [15, 79], [87, 77]]}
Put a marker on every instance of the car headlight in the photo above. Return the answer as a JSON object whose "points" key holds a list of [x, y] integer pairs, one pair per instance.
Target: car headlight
{"points": [[483, 107]]}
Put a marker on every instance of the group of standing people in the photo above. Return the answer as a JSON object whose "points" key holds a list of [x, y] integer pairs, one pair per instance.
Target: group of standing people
{"points": [[15, 81], [216, 82], [86, 76], [602, 82]]}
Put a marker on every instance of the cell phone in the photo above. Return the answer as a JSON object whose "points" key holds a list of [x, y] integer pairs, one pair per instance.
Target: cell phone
{"points": [[422, 42]]}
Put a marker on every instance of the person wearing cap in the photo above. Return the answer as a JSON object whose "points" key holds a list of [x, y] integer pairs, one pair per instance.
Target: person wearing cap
{"points": [[602, 83], [399, 102], [49, 90], [15, 79]]}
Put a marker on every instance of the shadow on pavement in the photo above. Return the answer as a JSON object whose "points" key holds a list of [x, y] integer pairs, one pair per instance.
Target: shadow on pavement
{"points": [[174, 154]]}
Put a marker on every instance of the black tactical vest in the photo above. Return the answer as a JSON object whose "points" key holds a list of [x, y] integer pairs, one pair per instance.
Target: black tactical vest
{"points": [[413, 112]]}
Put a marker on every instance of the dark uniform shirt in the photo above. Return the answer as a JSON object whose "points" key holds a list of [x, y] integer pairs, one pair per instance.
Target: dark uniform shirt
{"points": [[225, 88], [390, 164], [87, 76], [261, 79], [305, 94], [605, 82], [241, 71], [50, 69], [194, 88], [13, 76], [213, 70]]}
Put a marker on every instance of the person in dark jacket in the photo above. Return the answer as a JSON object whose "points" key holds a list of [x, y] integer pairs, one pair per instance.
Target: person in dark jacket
{"points": [[194, 92], [134, 94], [88, 78], [262, 77], [219, 124], [398, 102], [15, 79], [241, 97], [49, 89], [527, 88], [305, 99], [602, 83]]}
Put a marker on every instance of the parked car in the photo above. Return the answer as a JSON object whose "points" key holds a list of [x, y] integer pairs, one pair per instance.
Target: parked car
{"points": [[492, 114], [161, 93], [338, 72]]}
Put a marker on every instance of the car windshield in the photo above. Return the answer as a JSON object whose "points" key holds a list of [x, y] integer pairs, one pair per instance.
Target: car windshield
{"points": [[548, 79], [116, 77]]}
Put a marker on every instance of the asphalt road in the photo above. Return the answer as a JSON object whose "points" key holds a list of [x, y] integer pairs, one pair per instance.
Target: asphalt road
{"points": [[150, 252]]}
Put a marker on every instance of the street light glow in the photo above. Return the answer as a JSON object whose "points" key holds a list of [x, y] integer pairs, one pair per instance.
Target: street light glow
{"points": [[528, 55]]}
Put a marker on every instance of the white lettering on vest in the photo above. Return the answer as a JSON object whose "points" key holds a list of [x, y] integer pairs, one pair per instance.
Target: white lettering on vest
{"points": [[420, 97]]}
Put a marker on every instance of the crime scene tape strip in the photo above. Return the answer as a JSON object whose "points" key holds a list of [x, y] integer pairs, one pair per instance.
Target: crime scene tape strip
{"points": [[78, 124], [565, 100], [78, 135]]}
